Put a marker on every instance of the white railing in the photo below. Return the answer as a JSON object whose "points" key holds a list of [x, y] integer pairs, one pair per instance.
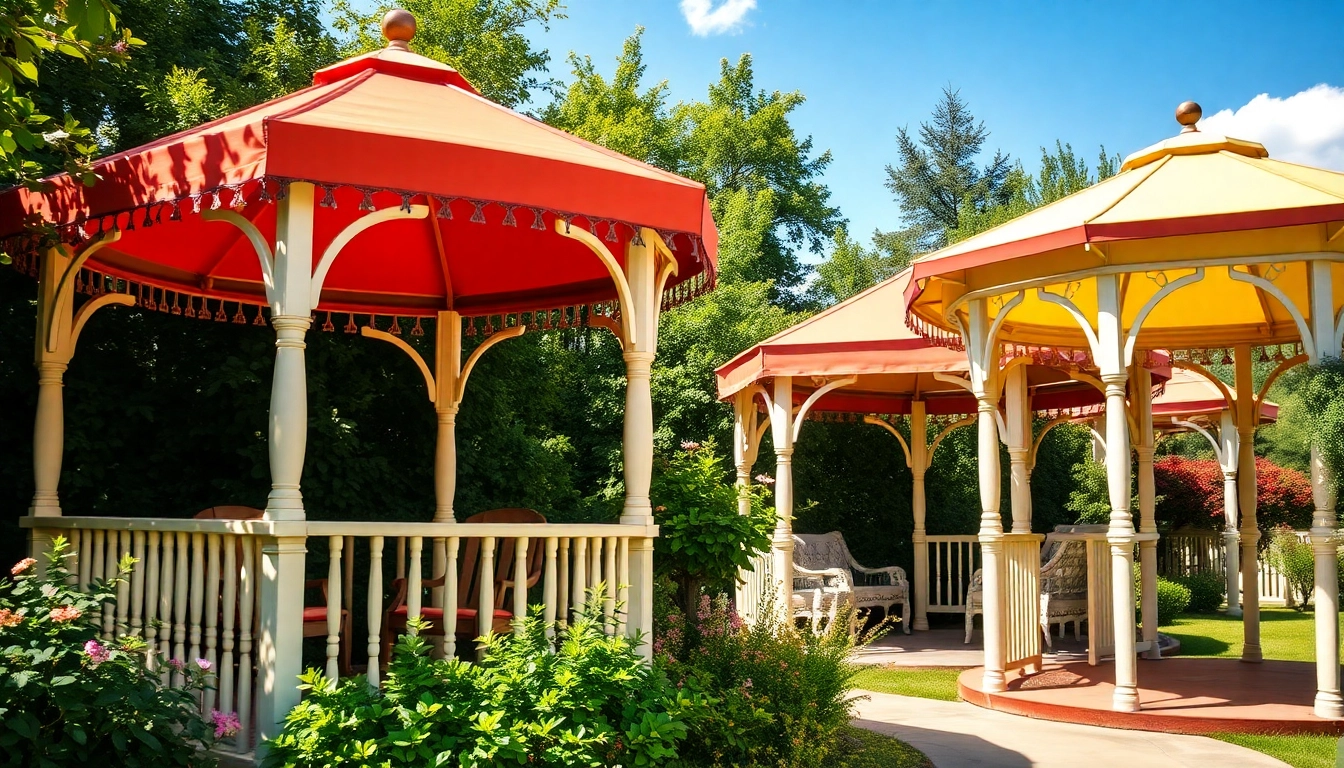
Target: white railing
{"points": [[752, 590], [1182, 553], [951, 562], [1022, 600], [195, 589]]}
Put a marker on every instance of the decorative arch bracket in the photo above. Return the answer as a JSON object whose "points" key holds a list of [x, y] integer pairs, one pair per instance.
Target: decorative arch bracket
{"points": [[1303, 328], [905, 446], [801, 414], [1132, 336]]}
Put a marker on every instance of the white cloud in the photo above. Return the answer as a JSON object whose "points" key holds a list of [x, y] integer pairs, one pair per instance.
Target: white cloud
{"points": [[1306, 128], [713, 17]]}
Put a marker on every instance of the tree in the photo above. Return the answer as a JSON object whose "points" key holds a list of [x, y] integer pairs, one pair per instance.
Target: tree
{"points": [[741, 140], [485, 40], [937, 172], [617, 114], [1062, 173], [30, 31], [851, 268]]}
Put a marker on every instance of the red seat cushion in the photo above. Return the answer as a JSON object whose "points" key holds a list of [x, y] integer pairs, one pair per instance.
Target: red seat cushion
{"points": [[470, 613], [316, 613]]}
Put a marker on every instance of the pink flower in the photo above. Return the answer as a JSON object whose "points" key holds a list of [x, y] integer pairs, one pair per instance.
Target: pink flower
{"points": [[204, 664], [96, 652], [120, 46], [9, 618], [22, 566], [177, 664], [765, 479], [226, 723], [65, 613], [690, 446]]}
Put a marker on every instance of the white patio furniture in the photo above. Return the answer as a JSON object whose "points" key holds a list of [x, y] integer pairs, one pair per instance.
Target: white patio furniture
{"points": [[871, 587]]}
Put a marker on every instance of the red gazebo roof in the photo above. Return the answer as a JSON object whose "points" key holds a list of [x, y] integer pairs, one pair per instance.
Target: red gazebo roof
{"points": [[867, 336], [386, 129]]}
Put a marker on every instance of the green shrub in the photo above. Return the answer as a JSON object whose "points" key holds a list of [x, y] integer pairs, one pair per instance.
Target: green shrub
{"points": [[67, 699], [1172, 600], [1295, 561], [587, 700], [703, 542], [781, 697], [1207, 590]]}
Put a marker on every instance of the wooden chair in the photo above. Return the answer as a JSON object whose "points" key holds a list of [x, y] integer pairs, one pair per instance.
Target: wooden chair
{"points": [[469, 585], [314, 616]]}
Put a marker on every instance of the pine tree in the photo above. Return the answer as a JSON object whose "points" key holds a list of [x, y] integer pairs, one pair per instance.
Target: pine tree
{"points": [[937, 172]]}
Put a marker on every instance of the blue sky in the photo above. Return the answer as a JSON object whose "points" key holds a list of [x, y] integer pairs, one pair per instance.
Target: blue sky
{"points": [[1084, 72]]}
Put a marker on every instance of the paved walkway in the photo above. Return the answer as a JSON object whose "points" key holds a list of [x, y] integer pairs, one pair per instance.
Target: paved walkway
{"points": [[959, 735]]}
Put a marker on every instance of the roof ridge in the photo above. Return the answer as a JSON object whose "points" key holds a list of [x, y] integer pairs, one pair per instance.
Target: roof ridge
{"points": [[1270, 170]]}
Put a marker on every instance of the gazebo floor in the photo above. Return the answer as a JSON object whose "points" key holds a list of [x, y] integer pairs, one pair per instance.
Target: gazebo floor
{"points": [[1177, 695]]}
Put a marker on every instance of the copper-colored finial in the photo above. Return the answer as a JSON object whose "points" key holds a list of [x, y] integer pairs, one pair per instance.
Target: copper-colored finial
{"points": [[398, 28], [1187, 114]]}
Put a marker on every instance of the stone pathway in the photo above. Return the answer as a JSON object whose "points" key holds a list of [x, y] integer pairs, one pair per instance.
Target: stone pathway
{"points": [[959, 735]]}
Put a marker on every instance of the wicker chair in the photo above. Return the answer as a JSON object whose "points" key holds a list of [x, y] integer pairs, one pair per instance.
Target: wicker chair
{"points": [[1063, 585], [826, 556]]}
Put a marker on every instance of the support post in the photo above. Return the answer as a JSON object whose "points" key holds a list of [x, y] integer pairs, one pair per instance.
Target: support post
{"points": [[1248, 417], [984, 361], [1141, 397], [1018, 401], [1324, 524], [641, 276], [280, 647], [1110, 359], [1230, 444], [781, 431], [919, 464], [448, 370]]}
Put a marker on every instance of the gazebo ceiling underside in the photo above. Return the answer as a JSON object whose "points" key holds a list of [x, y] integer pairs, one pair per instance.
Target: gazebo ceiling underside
{"points": [[866, 336], [387, 130], [1153, 224]]}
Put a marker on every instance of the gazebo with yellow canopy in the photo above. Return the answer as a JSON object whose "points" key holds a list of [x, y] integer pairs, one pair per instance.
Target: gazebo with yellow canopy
{"points": [[1202, 245]]}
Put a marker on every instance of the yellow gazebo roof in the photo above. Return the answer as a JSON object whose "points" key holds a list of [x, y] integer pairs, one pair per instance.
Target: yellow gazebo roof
{"points": [[1176, 206]]}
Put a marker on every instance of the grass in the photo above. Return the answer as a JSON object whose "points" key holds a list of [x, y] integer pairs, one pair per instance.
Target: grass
{"points": [[1299, 751], [865, 749], [1285, 634], [923, 682]]}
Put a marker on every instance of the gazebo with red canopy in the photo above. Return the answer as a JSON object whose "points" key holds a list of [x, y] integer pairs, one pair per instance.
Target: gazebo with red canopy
{"points": [[389, 188]]}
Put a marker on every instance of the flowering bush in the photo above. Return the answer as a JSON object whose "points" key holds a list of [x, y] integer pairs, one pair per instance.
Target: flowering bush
{"points": [[68, 698], [592, 701], [1191, 494], [703, 542], [781, 697]]}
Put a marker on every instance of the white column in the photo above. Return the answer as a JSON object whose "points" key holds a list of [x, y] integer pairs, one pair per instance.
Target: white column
{"points": [[1323, 525], [744, 446], [1229, 443], [641, 270], [984, 375], [1141, 397], [781, 430], [280, 647], [1018, 420], [1114, 375], [919, 463]]}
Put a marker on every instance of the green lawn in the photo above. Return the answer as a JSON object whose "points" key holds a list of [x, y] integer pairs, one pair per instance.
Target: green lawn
{"points": [[866, 749], [1297, 751], [1285, 634], [924, 682]]}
